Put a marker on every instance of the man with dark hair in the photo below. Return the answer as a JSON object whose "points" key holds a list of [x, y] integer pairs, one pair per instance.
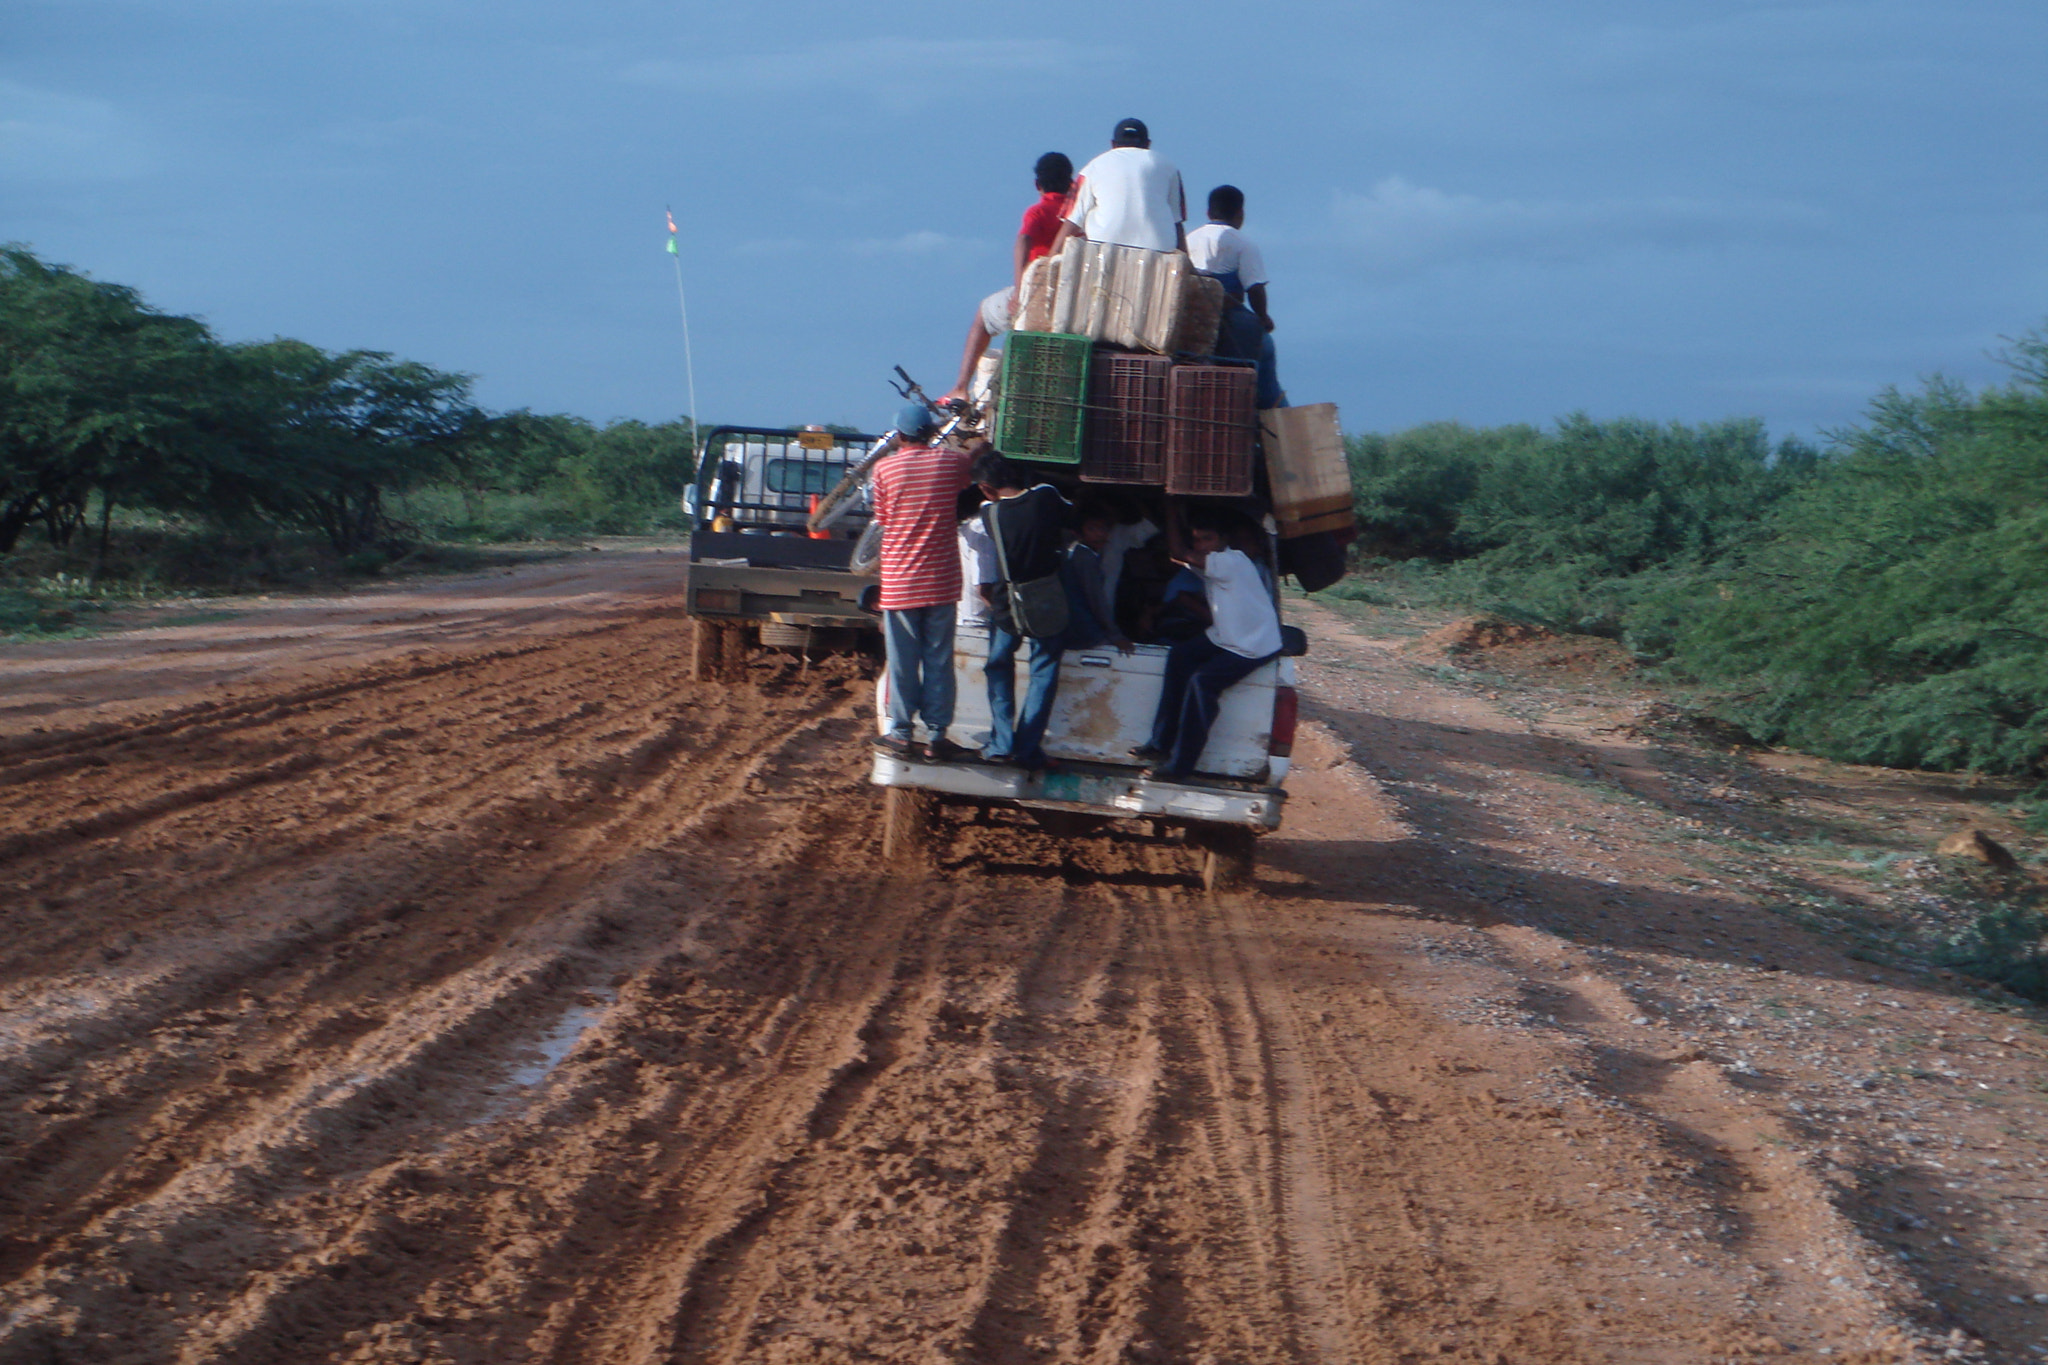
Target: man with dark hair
{"points": [[915, 490], [1129, 195], [1054, 175], [1220, 249], [1244, 632], [1027, 522]]}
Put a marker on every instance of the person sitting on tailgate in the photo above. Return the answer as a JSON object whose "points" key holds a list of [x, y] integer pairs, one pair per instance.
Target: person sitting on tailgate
{"points": [[1054, 175], [1183, 610], [1090, 619], [1244, 633]]}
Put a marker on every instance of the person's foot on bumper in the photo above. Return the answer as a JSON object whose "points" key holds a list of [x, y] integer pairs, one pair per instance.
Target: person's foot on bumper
{"points": [[943, 750], [1145, 753], [898, 745]]}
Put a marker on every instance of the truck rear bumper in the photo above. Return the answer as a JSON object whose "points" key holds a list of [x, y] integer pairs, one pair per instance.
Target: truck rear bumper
{"points": [[1091, 789]]}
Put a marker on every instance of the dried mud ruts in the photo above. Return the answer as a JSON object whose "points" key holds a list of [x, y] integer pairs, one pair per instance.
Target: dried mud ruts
{"points": [[534, 1004]]}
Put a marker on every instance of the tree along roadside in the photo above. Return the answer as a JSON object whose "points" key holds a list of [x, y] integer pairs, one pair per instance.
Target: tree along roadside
{"points": [[1883, 599]]}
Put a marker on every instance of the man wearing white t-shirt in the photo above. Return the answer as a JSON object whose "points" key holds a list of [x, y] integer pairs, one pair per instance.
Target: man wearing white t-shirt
{"points": [[1130, 195], [1245, 634], [1220, 250]]}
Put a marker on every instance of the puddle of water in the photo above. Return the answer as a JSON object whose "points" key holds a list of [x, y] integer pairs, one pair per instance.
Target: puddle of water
{"points": [[558, 1041]]}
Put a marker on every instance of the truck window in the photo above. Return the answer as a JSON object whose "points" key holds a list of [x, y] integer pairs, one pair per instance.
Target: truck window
{"points": [[804, 476]]}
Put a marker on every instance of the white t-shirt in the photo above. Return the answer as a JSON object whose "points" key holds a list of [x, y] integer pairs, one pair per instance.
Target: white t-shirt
{"points": [[1131, 196], [1218, 248], [977, 566], [1246, 621], [1122, 540]]}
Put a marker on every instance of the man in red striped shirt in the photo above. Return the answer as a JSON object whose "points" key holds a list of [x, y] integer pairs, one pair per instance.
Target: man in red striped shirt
{"points": [[915, 492]]}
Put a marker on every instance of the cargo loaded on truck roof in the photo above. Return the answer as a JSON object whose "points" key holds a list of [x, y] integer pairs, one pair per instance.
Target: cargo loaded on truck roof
{"points": [[1109, 393]]}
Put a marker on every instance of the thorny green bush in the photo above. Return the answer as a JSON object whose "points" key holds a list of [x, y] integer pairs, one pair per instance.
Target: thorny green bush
{"points": [[1884, 600]]}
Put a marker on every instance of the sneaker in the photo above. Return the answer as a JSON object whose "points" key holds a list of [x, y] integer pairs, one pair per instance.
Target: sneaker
{"points": [[943, 750]]}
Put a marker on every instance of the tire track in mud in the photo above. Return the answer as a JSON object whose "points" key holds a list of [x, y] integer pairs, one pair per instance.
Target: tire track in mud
{"points": [[563, 1013], [565, 879]]}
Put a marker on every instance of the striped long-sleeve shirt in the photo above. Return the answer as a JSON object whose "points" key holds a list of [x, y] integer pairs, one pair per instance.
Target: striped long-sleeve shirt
{"points": [[915, 491]]}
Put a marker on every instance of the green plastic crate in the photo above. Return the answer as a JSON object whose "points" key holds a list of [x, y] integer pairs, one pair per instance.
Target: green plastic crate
{"points": [[1042, 407]]}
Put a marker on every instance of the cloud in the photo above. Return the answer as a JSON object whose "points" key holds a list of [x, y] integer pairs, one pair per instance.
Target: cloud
{"points": [[900, 74], [1405, 226], [45, 135], [923, 242]]}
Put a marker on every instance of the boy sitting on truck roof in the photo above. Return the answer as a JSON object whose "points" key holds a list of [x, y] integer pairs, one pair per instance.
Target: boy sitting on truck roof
{"points": [[1220, 250], [1245, 633], [1054, 176]]}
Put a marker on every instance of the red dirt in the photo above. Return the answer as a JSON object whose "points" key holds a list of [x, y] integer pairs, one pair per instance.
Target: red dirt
{"points": [[454, 982]]}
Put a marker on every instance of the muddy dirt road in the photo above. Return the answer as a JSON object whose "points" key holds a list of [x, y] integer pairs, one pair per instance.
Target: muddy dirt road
{"points": [[453, 982]]}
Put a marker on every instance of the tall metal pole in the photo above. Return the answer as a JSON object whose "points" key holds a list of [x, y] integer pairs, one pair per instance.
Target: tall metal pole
{"points": [[689, 363]]}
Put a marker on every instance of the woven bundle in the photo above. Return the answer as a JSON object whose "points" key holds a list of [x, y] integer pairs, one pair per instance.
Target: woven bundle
{"points": [[1034, 304], [1201, 315]]}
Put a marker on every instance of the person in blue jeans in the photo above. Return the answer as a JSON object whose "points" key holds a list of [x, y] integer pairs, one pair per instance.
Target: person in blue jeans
{"points": [[1244, 633], [1029, 521]]}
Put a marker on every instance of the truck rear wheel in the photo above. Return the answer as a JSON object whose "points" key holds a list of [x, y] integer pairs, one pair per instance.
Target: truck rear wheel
{"points": [[1228, 857], [718, 652], [907, 815]]}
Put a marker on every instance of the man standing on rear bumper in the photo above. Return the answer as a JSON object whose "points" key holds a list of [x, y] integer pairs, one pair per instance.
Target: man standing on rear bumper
{"points": [[1029, 520], [915, 490]]}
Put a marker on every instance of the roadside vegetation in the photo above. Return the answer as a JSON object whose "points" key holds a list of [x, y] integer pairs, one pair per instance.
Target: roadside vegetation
{"points": [[1881, 599], [142, 455]]}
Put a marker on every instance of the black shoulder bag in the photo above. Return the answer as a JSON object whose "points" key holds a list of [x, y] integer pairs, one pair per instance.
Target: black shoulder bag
{"points": [[1038, 608]]}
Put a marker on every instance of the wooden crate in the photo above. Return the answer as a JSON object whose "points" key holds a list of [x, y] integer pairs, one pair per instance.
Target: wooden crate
{"points": [[1307, 469]]}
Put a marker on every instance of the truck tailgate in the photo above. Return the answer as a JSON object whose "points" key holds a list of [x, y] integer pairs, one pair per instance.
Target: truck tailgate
{"points": [[1107, 700]]}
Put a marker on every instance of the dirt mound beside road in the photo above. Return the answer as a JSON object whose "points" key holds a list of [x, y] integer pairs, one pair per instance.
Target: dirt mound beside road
{"points": [[1523, 649], [518, 1001]]}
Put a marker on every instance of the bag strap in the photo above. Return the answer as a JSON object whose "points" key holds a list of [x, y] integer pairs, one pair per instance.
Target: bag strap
{"points": [[995, 533]]}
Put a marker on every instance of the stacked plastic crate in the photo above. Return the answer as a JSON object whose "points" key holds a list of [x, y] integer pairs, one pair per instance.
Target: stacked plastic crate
{"points": [[1191, 429], [1211, 423], [1126, 437], [1041, 408]]}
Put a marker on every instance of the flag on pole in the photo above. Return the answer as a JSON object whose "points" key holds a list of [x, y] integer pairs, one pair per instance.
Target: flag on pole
{"points": [[671, 231]]}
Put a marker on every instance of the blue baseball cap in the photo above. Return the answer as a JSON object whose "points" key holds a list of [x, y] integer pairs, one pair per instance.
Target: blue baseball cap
{"points": [[916, 419]]}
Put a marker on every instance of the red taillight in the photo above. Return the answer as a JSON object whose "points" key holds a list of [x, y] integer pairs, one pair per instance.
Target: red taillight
{"points": [[1286, 712]]}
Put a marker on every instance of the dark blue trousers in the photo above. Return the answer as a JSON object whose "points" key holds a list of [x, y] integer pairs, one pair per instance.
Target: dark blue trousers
{"points": [[1197, 672]]}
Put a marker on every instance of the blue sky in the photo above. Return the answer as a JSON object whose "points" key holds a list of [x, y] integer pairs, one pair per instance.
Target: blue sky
{"points": [[1471, 209]]}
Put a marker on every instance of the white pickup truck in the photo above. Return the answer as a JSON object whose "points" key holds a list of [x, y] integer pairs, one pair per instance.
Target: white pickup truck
{"points": [[1104, 708]]}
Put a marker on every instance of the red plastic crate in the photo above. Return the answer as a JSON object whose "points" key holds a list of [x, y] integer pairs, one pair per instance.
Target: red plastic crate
{"points": [[1211, 424], [1126, 441]]}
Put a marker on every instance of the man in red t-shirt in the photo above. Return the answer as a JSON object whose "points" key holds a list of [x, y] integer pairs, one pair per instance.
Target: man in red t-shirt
{"points": [[1055, 178], [915, 491]]}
